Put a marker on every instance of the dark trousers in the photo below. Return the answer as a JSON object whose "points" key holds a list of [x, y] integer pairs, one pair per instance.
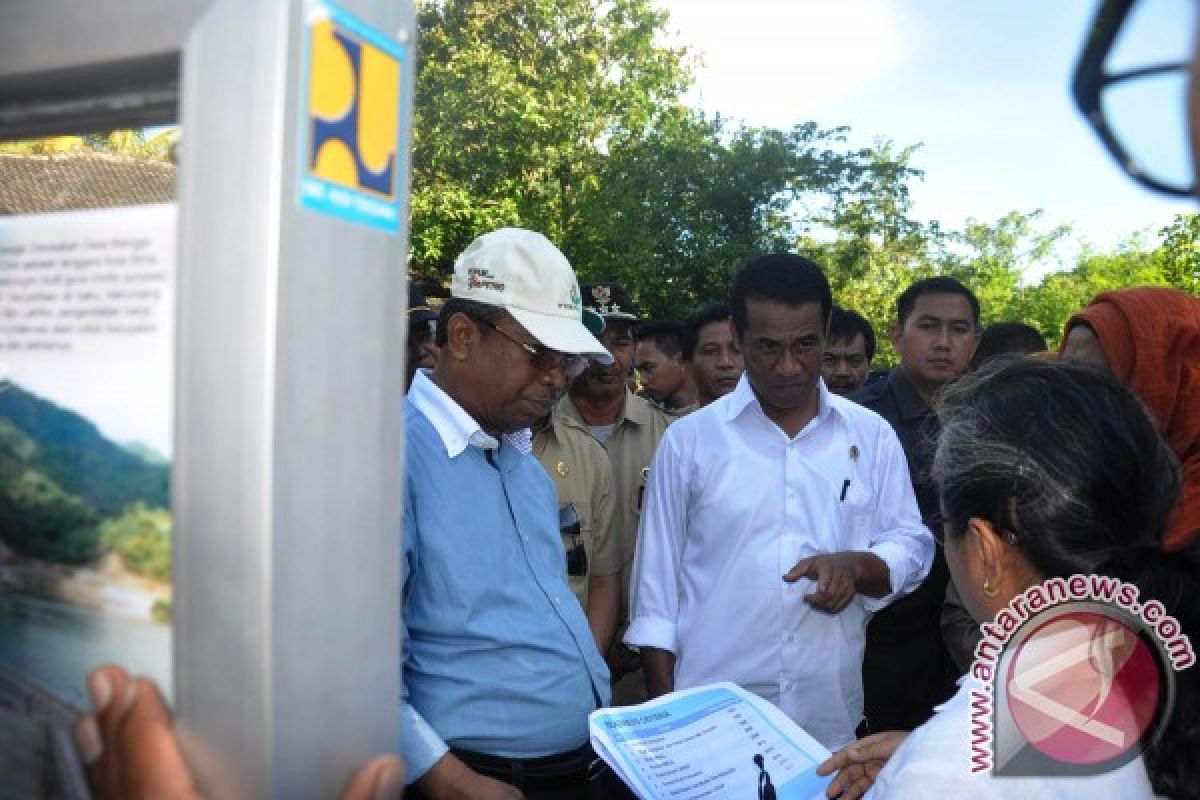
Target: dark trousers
{"points": [[577, 775]]}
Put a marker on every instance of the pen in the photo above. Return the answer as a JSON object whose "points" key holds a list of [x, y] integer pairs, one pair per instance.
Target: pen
{"points": [[845, 486]]}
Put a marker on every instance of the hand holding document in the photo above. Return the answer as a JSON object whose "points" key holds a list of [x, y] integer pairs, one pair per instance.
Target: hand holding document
{"points": [[715, 741]]}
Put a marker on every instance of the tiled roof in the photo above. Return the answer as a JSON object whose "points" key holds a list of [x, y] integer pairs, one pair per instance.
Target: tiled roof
{"points": [[33, 183]]}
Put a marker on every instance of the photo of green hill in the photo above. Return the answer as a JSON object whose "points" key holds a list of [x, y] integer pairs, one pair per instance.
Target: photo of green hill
{"points": [[83, 519]]}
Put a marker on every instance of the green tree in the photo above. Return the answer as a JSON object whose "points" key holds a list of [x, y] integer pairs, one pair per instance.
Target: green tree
{"points": [[1180, 253], [517, 104], [675, 213], [127, 142], [868, 241], [142, 538]]}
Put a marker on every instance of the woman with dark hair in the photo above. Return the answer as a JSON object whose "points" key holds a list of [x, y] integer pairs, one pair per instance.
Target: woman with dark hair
{"points": [[1045, 469]]}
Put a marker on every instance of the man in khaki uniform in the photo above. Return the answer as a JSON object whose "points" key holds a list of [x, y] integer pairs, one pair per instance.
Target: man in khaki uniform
{"points": [[629, 427], [583, 480]]}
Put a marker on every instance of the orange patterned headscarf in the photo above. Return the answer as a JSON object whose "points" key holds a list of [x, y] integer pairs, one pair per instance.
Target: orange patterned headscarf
{"points": [[1151, 338]]}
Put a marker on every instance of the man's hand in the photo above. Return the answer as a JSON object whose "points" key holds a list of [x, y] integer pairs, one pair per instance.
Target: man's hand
{"points": [[451, 779], [126, 744], [129, 750], [839, 576], [857, 765]]}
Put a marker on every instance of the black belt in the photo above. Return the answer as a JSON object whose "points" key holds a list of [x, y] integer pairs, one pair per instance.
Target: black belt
{"points": [[545, 772]]}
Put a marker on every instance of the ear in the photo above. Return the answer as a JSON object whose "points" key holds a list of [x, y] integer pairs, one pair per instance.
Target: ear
{"points": [[894, 333], [462, 334], [994, 550], [975, 344]]}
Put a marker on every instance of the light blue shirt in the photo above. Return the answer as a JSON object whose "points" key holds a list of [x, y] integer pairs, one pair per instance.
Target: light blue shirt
{"points": [[498, 657]]}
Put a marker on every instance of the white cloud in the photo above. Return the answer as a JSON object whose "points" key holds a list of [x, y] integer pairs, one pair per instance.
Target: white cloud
{"points": [[777, 61]]}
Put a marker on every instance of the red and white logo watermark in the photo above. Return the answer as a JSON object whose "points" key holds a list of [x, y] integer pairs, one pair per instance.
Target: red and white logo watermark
{"points": [[1075, 676]]}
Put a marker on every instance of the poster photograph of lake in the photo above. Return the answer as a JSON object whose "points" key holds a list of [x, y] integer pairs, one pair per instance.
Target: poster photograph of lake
{"points": [[86, 335]]}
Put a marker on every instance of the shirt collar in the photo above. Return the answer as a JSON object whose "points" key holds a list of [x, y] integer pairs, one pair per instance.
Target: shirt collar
{"points": [[636, 410], [454, 425], [743, 397], [908, 402]]}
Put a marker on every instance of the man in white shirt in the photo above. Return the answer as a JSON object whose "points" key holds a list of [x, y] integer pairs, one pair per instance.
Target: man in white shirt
{"points": [[777, 520]]}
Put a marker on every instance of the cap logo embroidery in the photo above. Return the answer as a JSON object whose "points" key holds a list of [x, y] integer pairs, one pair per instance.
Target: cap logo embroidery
{"points": [[576, 300], [481, 278], [601, 294]]}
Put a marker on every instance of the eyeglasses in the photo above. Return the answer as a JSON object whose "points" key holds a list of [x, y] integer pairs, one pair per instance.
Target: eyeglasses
{"points": [[543, 358], [1139, 114]]}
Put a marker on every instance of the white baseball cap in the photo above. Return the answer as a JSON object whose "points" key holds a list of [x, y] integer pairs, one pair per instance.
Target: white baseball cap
{"points": [[523, 273]]}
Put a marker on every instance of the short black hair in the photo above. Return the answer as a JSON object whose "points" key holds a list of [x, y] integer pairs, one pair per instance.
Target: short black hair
{"points": [[667, 335], [1007, 337], [706, 315], [941, 284], [474, 310], [845, 324], [785, 278]]}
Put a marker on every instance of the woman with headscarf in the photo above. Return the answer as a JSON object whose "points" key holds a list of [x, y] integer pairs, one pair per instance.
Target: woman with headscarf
{"points": [[1149, 338]]}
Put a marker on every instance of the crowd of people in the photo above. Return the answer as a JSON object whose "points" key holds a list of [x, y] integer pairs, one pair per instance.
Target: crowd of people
{"points": [[601, 508]]}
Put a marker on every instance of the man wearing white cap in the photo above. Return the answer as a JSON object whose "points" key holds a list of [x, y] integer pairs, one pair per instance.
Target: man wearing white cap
{"points": [[500, 668]]}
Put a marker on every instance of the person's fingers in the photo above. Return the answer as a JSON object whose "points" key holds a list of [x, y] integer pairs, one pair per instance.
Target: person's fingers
{"points": [[818, 600], [858, 788], [382, 778], [800, 570], [106, 683], [833, 763], [844, 591], [846, 777], [99, 685], [87, 740], [825, 576], [108, 688]]}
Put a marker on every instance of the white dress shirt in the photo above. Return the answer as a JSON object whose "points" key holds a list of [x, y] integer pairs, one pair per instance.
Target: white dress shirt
{"points": [[731, 505]]}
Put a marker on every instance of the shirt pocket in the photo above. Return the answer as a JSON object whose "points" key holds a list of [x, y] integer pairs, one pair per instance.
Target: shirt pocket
{"points": [[857, 513]]}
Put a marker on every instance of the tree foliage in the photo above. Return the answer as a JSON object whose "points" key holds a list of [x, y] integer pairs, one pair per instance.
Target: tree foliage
{"points": [[126, 142], [142, 538], [517, 104]]}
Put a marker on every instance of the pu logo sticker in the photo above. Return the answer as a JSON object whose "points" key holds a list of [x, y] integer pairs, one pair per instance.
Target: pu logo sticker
{"points": [[351, 160]]}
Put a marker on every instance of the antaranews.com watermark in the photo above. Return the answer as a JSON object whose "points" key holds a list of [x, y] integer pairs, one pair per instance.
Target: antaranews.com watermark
{"points": [[1075, 677]]}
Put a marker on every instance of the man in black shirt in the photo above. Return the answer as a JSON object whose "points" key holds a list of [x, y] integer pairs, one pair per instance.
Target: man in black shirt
{"points": [[906, 669]]}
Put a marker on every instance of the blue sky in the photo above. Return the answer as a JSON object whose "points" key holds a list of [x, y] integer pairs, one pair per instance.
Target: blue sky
{"points": [[984, 87]]}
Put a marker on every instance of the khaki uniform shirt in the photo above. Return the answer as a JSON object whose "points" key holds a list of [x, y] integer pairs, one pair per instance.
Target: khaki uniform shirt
{"points": [[582, 476], [630, 449]]}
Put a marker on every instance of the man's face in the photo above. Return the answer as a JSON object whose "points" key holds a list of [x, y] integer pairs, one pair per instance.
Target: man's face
{"points": [[421, 350], [661, 375], [618, 341], [937, 339], [716, 362], [845, 365], [514, 393], [1083, 345], [782, 346]]}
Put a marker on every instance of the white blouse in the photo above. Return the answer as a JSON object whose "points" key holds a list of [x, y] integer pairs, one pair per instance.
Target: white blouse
{"points": [[935, 762]]}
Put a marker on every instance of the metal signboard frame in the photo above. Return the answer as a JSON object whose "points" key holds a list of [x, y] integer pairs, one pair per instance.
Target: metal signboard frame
{"points": [[288, 472]]}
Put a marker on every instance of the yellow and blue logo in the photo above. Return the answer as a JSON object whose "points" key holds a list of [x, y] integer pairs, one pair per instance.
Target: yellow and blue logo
{"points": [[351, 165]]}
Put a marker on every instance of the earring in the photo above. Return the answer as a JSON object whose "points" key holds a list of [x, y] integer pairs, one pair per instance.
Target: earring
{"points": [[988, 589]]}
